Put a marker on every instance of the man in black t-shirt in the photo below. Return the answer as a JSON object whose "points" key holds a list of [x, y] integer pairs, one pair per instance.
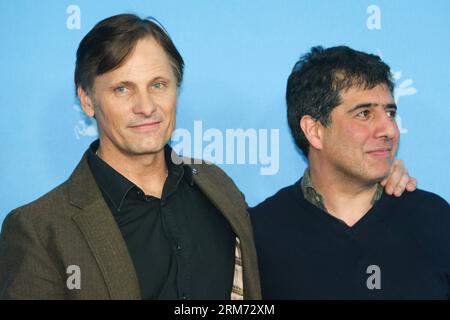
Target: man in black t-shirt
{"points": [[334, 234]]}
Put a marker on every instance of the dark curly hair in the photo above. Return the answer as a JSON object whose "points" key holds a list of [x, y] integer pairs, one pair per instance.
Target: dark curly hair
{"points": [[318, 78]]}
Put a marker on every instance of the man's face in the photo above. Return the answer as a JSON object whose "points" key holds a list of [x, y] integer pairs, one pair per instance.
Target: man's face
{"points": [[135, 104], [362, 138]]}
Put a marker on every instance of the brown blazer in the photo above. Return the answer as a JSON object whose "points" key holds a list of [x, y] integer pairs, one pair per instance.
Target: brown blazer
{"points": [[72, 225]]}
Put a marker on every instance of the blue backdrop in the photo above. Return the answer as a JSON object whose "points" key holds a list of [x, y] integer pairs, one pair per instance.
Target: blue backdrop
{"points": [[238, 56]]}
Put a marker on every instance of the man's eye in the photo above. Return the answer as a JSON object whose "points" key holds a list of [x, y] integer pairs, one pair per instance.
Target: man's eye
{"points": [[363, 114], [391, 113], [159, 85], [121, 89]]}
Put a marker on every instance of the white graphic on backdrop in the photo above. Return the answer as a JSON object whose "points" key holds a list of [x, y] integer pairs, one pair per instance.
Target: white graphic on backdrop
{"points": [[86, 127], [73, 21], [373, 21], [403, 88]]}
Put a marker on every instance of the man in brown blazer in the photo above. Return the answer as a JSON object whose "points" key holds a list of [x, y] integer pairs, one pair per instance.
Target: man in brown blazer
{"points": [[134, 220]]}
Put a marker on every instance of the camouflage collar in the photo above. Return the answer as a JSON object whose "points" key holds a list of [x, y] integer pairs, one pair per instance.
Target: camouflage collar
{"points": [[311, 195]]}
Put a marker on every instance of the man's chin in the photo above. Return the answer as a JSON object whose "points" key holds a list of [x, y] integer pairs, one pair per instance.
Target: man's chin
{"points": [[145, 149], [378, 177]]}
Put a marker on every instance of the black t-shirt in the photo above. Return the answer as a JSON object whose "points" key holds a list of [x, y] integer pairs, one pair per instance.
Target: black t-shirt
{"points": [[400, 249], [181, 245]]}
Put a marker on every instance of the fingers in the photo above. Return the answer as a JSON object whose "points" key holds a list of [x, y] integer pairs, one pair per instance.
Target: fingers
{"points": [[411, 185], [401, 185], [396, 178]]}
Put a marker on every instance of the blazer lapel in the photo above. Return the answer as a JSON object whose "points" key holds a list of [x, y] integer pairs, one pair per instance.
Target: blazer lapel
{"points": [[224, 198], [102, 234]]}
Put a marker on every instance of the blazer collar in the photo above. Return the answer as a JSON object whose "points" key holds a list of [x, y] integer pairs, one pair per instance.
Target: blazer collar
{"points": [[102, 234], [211, 183]]}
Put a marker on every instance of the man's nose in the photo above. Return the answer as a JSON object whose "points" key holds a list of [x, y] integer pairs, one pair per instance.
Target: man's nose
{"points": [[144, 104], [386, 126]]}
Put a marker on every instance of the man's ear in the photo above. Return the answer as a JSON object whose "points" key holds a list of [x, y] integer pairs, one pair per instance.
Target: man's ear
{"points": [[86, 102], [312, 129]]}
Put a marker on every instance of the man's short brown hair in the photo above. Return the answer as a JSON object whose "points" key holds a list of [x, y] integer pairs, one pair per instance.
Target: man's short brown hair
{"points": [[112, 40]]}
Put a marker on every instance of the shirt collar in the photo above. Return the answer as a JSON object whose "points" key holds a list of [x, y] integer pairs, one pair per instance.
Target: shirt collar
{"points": [[116, 187], [310, 193], [314, 197]]}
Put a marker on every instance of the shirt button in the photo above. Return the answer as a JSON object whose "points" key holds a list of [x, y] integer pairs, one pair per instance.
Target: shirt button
{"points": [[184, 297], [179, 247]]}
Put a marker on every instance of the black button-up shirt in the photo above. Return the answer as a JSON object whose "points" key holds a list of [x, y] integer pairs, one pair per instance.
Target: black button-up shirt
{"points": [[181, 245]]}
